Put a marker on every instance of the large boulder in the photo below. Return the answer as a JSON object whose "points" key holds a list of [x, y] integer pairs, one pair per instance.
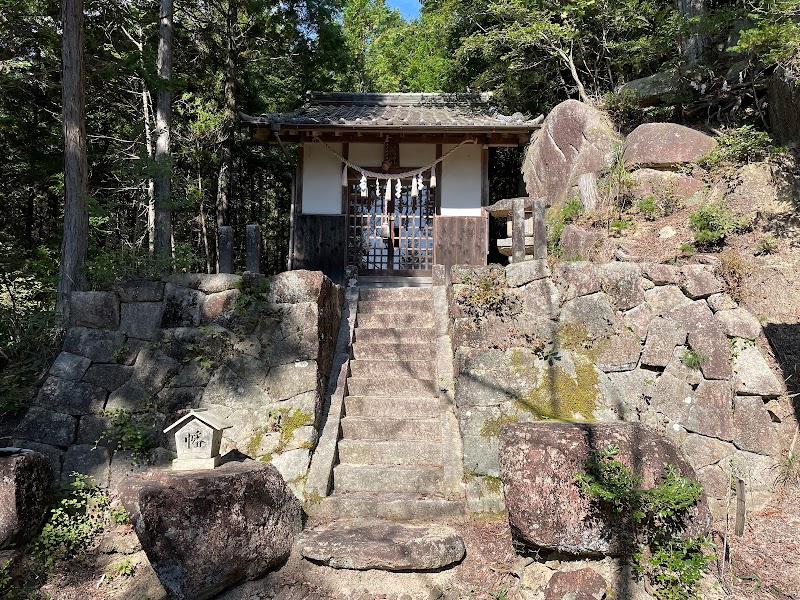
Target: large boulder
{"points": [[205, 530], [660, 88], [575, 139], [663, 145], [546, 510], [664, 185], [578, 243], [25, 480]]}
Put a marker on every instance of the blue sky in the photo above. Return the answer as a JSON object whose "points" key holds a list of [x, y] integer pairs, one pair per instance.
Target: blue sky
{"points": [[408, 8]]}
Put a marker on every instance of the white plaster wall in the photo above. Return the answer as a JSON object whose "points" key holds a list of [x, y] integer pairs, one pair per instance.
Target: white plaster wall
{"points": [[322, 180], [460, 184], [461, 181], [417, 155]]}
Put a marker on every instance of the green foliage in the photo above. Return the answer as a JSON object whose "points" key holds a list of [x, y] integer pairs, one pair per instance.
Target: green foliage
{"points": [[743, 145], [767, 245], [558, 220], [109, 266], [617, 227], [789, 469], [675, 567], [73, 523], [615, 185], [661, 203], [673, 562], [687, 249], [523, 49], [693, 359], [646, 206], [774, 34], [28, 338], [713, 222], [131, 433], [121, 568], [254, 294], [732, 269], [484, 292], [8, 589], [501, 594]]}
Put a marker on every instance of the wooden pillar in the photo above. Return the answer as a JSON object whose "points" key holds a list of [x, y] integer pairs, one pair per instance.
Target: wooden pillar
{"points": [[254, 248], [518, 230], [225, 249], [539, 230]]}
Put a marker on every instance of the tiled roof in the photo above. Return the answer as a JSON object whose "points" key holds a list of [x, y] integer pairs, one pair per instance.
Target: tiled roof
{"points": [[371, 111]]}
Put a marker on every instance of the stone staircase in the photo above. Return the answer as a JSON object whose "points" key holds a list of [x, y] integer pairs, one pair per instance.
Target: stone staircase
{"points": [[395, 441]]}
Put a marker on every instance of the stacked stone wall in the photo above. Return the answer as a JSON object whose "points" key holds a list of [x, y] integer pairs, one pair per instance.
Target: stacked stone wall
{"points": [[653, 343], [137, 357]]}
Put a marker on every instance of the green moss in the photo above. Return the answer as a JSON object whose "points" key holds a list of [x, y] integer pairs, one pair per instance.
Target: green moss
{"points": [[519, 362], [573, 336], [491, 427], [254, 443], [265, 458], [312, 499], [289, 423], [561, 396], [492, 484]]}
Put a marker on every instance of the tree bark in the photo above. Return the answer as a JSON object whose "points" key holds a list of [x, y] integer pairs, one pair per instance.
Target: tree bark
{"points": [[567, 59], [73, 100], [163, 179], [226, 149]]}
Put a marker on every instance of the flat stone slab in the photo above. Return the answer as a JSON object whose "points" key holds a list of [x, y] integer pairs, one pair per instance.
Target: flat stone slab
{"points": [[384, 545]]}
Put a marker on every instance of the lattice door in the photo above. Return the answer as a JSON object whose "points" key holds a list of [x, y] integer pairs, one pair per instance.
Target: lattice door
{"points": [[408, 249]]}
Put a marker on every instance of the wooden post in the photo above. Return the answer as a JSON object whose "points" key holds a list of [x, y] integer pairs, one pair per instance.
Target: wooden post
{"points": [[539, 230], [518, 230], [740, 507], [225, 249], [254, 248]]}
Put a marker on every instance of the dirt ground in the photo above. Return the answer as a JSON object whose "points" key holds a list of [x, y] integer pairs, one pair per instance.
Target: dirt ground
{"points": [[763, 564]]}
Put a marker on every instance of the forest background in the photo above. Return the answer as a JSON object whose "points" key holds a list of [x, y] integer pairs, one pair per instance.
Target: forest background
{"points": [[531, 53]]}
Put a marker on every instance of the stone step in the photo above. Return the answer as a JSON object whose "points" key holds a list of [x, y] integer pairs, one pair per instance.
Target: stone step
{"points": [[389, 293], [372, 452], [387, 428], [402, 335], [397, 507], [395, 306], [408, 408], [391, 479], [404, 350], [394, 281], [416, 369], [365, 544], [391, 386], [394, 321]]}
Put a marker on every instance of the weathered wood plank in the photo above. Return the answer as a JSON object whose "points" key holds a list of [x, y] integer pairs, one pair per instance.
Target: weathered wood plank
{"points": [[320, 244], [461, 240]]}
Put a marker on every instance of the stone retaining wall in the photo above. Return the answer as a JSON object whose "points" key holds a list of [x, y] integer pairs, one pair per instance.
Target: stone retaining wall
{"points": [[256, 351], [611, 342]]}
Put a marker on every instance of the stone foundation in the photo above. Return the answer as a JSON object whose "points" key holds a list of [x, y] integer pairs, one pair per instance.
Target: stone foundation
{"points": [[651, 343], [257, 351]]}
